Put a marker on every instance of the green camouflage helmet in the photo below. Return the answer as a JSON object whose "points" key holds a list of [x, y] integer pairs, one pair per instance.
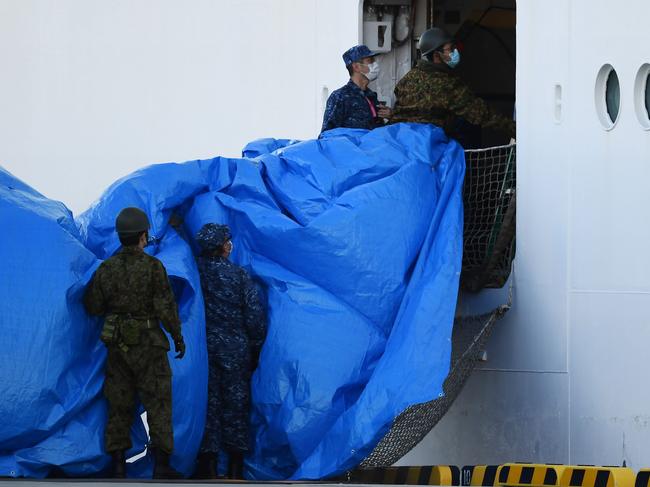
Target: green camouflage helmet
{"points": [[131, 221], [433, 39]]}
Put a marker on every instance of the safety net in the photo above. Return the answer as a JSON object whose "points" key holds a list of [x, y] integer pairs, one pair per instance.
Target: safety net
{"points": [[489, 231]]}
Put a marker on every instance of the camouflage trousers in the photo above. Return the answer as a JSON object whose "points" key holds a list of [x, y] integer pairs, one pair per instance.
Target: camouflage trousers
{"points": [[227, 422], [144, 372]]}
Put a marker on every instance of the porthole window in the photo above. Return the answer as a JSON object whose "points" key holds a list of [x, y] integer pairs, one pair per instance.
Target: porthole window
{"points": [[647, 97], [642, 96], [608, 96], [613, 96]]}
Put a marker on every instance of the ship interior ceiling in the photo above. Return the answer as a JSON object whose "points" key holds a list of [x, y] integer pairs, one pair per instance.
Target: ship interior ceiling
{"points": [[486, 37]]}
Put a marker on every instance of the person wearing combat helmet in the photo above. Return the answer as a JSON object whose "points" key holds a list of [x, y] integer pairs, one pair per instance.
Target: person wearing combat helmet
{"points": [[432, 93], [235, 330], [355, 105], [132, 292]]}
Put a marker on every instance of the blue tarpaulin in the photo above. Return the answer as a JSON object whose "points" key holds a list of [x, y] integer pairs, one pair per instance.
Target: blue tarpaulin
{"points": [[356, 239]]}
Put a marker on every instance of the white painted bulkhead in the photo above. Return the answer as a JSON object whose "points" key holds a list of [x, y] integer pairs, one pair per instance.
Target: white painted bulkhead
{"points": [[93, 90]]}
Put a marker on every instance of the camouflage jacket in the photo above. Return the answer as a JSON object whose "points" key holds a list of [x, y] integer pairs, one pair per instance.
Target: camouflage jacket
{"points": [[349, 107], [133, 286], [432, 93], [234, 316]]}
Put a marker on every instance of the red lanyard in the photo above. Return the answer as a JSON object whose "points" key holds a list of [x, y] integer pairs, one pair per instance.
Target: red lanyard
{"points": [[372, 108]]}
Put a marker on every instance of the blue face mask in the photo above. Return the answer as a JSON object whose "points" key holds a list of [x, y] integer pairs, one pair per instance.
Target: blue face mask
{"points": [[454, 59]]}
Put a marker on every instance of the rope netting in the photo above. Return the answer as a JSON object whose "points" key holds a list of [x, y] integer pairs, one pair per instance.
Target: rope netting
{"points": [[489, 234]]}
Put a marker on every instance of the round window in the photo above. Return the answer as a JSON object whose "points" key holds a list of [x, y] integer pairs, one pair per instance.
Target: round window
{"points": [[608, 96], [647, 96], [642, 96]]}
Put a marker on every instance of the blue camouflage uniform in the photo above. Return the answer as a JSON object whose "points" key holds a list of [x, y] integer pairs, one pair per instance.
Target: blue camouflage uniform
{"points": [[349, 106], [235, 331]]}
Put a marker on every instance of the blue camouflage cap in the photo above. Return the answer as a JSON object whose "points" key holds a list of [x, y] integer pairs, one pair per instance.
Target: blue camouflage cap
{"points": [[356, 53], [212, 236]]}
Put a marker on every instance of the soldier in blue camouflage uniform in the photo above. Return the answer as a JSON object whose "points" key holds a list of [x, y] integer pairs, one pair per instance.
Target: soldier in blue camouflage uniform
{"points": [[132, 292], [432, 93], [355, 105], [235, 331]]}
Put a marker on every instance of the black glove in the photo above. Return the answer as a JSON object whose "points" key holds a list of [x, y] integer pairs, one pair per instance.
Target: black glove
{"points": [[179, 347]]}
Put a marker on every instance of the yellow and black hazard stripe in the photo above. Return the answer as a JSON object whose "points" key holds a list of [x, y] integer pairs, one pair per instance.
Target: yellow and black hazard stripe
{"points": [[427, 475], [584, 476], [525, 474], [642, 478]]}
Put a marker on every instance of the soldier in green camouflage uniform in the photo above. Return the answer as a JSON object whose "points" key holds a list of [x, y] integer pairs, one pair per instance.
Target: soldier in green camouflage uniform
{"points": [[132, 291], [432, 93]]}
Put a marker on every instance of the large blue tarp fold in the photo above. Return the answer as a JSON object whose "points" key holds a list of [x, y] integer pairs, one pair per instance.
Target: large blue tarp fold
{"points": [[50, 365], [356, 239]]}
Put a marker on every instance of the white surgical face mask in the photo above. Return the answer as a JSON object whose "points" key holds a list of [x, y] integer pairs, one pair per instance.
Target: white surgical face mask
{"points": [[373, 71]]}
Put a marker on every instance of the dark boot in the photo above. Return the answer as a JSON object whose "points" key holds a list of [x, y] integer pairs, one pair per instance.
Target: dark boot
{"points": [[206, 466], [236, 465], [119, 464], [161, 467]]}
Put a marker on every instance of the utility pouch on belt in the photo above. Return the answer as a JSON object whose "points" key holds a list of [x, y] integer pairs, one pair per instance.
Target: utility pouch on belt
{"points": [[124, 330], [110, 330]]}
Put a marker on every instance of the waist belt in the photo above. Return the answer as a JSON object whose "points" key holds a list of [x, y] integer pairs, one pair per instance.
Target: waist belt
{"points": [[150, 323], [125, 330], [146, 322]]}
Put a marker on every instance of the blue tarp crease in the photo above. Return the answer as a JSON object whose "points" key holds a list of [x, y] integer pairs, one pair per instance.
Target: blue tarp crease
{"points": [[356, 239]]}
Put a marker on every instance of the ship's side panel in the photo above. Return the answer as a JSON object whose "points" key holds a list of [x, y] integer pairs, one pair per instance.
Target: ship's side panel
{"points": [[92, 90], [608, 240]]}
